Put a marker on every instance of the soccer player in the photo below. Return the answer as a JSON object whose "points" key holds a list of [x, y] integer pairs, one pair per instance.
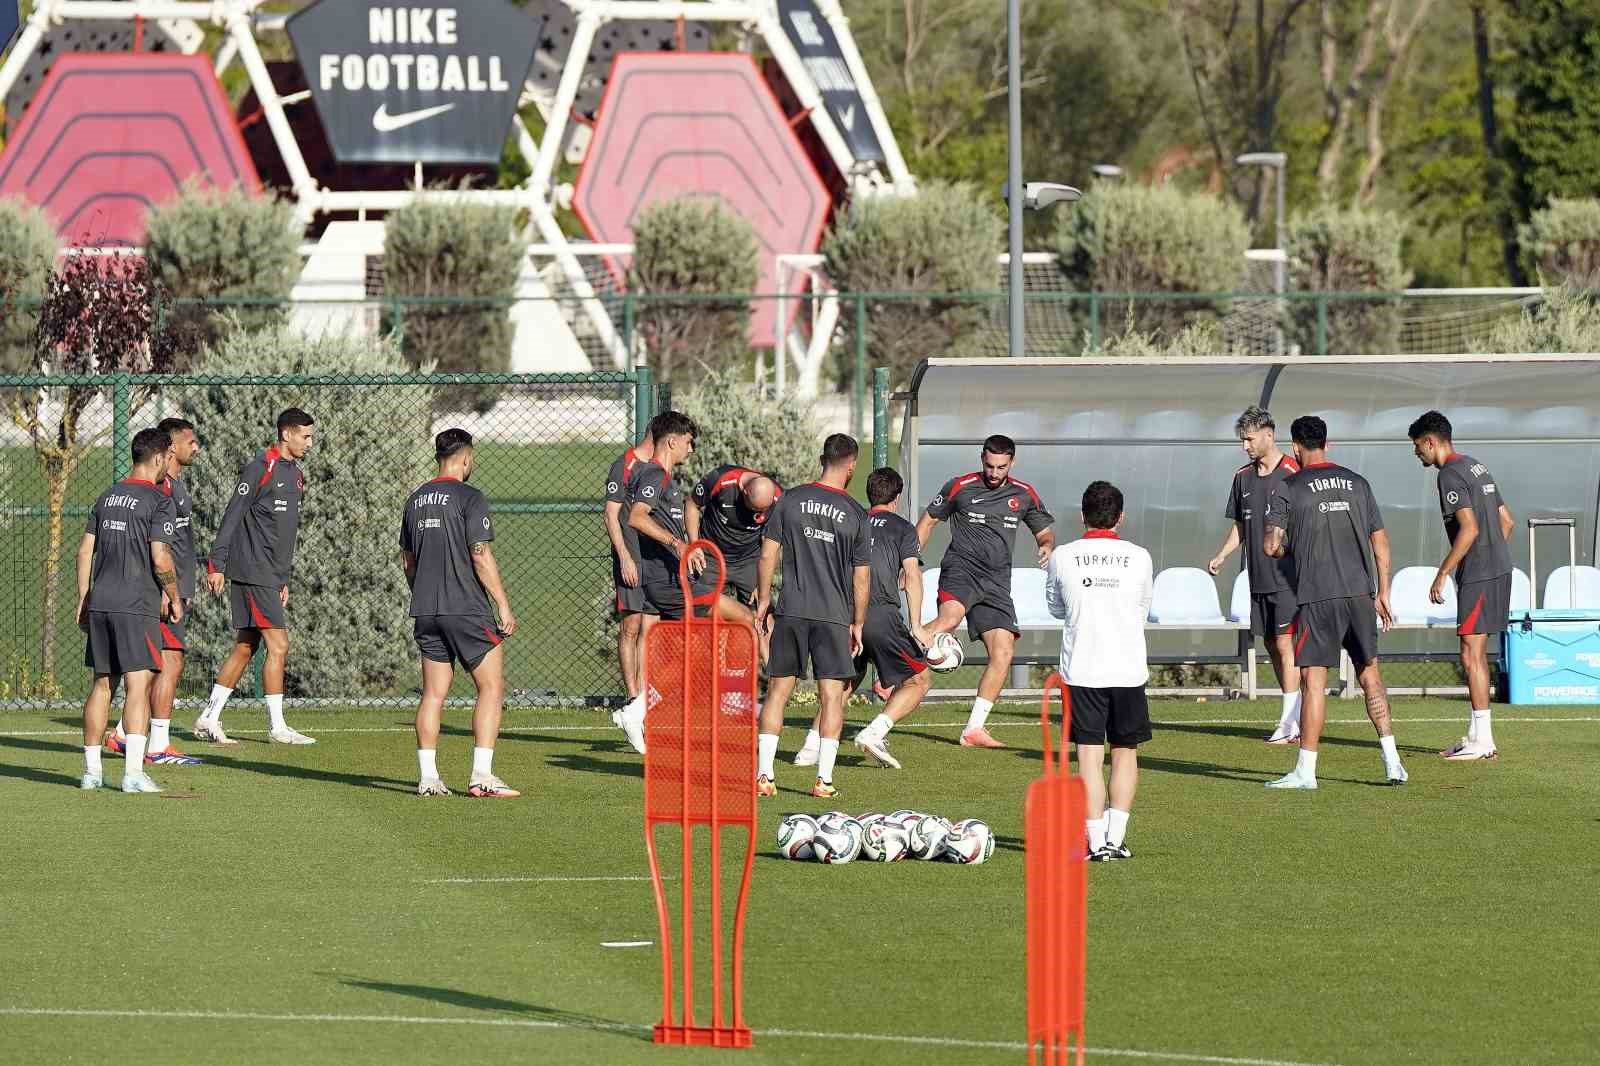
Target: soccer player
{"points": [[1271, 580], [819, 532], [895, 650], [1478, 524], [254, 551], [1325, 514], [164, 691], [984, 509], [625, 573], [1100, 586], [126, 582], [729, 507], [446, 549]]}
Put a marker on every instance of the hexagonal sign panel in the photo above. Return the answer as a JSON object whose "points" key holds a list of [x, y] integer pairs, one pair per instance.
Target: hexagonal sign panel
{"points": [[612, 39], [108, 137], [415, 84], [675, 125]]}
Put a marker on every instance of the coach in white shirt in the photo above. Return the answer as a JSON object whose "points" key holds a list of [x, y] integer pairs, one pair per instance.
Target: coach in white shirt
{"points": [[1100, 586]]}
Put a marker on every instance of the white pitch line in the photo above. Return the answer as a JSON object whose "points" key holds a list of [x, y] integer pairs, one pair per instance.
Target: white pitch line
{"points": [[621, 1027], [519, 880], [626, 943]]}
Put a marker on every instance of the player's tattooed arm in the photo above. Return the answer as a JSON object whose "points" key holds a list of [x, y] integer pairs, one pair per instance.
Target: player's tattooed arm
{"points": [[487, 568], [167, 577], [641, 519], [1047, 544], [1277, 544], [408, 563]]}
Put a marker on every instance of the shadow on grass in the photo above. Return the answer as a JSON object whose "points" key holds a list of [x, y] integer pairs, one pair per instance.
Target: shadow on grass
{"points": [[1256, 733], [588, 765], [554, 1016], [30, 744], [43, 777], [310, 773]]}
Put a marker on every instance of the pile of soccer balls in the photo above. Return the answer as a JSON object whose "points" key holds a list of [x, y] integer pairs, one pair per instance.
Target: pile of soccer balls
{"points": [[836, 837]]}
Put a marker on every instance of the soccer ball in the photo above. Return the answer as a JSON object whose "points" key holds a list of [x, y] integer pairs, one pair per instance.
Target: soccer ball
{"points": [[885, 842], [871, 818], [928, 835], [795, 834], [838, 839], [903, 818], [970, 843], [946, 653]]}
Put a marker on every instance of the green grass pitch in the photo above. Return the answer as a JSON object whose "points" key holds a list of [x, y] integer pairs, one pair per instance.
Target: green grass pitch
{"points": [[299, 905]]}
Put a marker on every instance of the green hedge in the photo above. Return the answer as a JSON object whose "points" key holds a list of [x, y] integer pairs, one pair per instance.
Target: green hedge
{"points": [[1346, 250]]}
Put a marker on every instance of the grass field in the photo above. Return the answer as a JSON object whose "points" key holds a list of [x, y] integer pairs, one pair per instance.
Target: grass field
{"points": [[301, 906]]}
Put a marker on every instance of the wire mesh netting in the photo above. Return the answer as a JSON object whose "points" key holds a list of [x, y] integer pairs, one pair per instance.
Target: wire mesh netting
{"points": [[544, 445]]}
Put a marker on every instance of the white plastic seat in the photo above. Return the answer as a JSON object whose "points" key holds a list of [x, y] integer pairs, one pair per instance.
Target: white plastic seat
{"points": [[1521, 591], [1027, 596], [1408, 598], [1239, 604], [1185, 595], [1558, 587]]}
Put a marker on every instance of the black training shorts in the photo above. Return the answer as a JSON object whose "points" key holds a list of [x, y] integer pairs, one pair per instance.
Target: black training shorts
{"points": [[666, 598], [256, 607], [987, 599], [887, 643], [1484, 606], [1121, 715], [175, 635], [629, 598], [824, 646], [462, 638], [120, 644], [1322, 628], [1272, 613]]}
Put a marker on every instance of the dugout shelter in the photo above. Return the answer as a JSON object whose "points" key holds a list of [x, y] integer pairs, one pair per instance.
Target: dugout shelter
{"points": [[1162, 431]]}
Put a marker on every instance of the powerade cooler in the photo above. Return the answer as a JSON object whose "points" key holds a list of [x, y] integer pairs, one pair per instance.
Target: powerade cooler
{"points": [[1553, 655]]}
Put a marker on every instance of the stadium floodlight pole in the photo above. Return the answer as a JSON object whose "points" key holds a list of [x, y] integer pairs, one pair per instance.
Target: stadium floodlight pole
{"points": [[1014, 173], [1279, 162]]}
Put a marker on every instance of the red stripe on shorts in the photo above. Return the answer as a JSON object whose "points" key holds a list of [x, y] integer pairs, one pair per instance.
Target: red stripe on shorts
{"points": [[1472, 618], [261, 620]]}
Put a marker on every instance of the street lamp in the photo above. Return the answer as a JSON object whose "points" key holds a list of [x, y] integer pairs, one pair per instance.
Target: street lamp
{"points": [[1278, 162]]}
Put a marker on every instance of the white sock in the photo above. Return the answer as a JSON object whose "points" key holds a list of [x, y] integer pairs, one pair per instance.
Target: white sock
{"points": [[1306, 765], [1097, 833], [980, 713], [427, 763], [879, 727], [121, 732], [218, 700], [275, 711], [827, 753], [1116, 826], [136, 745], [1480, 732], [91, 759], [1391, 757], [1289, 719], [813, 738], [482, 762], [160, 734], [766, 753]]}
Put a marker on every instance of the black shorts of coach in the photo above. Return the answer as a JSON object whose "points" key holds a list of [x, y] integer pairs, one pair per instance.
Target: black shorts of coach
{"points": [[256, 607], [987, 601], [801, 642], [456, 638], [666, 598], [887, 644], [1483, 606], [1272, 613], [629, 598], [1322, 628], [118, 644], [1118, 715]]}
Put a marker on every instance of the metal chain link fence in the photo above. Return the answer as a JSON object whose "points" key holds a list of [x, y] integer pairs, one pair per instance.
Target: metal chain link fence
{"points": [[543, 451]]}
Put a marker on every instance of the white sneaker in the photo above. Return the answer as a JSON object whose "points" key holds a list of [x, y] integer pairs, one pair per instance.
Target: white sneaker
{"points": [[877, 749], [432, 786], [90, 781], [211, 732], [1470, 750], [1397, 773], [289, 736], [809, 754], [633, 728], [135, 782], [1292, 779], [1284, 736]]}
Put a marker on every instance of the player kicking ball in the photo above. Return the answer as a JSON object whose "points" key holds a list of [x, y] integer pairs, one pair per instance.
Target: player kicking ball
{"points": [[446, 549], [984, 510], [1325, 514], [254, 555], [1478, 525], [174, 637], [126, 581]]}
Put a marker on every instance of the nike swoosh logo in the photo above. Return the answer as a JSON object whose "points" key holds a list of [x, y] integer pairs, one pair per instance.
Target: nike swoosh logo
{"points": [[384, 122]]}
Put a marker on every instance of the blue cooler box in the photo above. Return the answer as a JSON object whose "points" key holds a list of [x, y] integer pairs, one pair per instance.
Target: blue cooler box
{"points": [[1553, 656]]}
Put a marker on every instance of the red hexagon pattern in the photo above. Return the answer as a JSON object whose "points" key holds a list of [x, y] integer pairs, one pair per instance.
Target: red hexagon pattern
{"points": [[107, 137], [676, 124]]}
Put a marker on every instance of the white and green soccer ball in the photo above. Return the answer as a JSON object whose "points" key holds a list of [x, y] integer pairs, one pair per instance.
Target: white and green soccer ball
{"points": [[838, 839], [795, 834], [970, 843]]}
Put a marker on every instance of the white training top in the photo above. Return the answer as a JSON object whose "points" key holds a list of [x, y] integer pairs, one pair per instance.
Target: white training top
{"points": [[1101, 587]]}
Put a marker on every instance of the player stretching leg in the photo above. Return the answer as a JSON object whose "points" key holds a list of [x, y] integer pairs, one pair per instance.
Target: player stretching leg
{"points": [[1325, 514], [1100, 586], [446, 534], [625, 574], [126, 582], [254, 550], [174, 641], [975, 576], [1271, 580], [1478, 524], [895, 650], [819, 533]]}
